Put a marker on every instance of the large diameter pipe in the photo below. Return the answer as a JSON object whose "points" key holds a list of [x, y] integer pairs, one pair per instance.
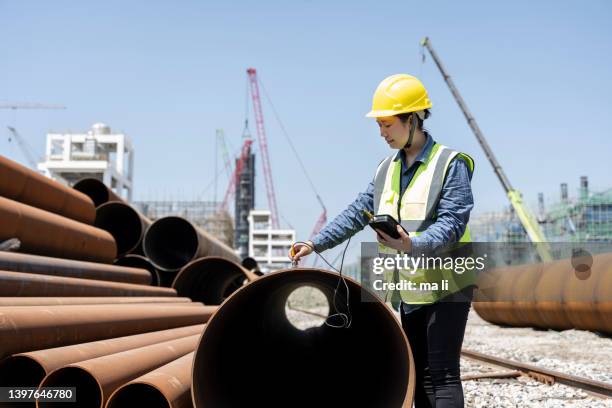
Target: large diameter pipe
{"points": [[96, 379], [140, 262], [18, 262], [96, 190], [125, 224], [29, 284], [40, 327], [168, 386], [90, 300], [372, 354], [45, 233], [556, 295], [172, 242], [211, 279], [22, 184], [28, 369]]}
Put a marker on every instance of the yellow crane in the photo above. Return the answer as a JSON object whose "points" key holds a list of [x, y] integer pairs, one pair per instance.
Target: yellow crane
{"points": [[529, 222]]}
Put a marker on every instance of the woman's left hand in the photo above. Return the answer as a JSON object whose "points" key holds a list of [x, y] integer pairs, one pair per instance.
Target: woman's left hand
{"points": [[403, 243]]}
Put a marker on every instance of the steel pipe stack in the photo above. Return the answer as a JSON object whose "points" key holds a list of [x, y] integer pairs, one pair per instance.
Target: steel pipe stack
{"points": [[125, 224], [96, 190], [559, 295]]}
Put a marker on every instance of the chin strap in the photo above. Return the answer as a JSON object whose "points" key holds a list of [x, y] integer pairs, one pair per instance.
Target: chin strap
{"points": [[413, 125]]}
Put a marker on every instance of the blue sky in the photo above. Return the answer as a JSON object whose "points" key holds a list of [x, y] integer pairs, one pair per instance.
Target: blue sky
{"points": [[534, 74]]}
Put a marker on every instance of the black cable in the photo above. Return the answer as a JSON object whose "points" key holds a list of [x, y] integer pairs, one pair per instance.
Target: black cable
{"points": [[346, 318]]}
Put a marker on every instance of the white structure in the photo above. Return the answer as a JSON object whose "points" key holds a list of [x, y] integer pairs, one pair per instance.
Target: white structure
{"points": [[99, 154], [268, 246]]}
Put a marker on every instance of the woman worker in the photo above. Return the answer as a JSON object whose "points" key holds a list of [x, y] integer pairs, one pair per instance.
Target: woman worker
{"points": [[426, 187]]}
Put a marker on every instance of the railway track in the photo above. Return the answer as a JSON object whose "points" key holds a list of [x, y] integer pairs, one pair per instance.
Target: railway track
{"points": [[544, 375], [596, 388]]}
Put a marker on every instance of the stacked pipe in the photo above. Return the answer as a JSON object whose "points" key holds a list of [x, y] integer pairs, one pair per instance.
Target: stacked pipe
{"points": [[565, 294]]}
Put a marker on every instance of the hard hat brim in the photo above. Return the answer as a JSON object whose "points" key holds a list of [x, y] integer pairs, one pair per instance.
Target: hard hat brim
{"points": [[386, 113]]}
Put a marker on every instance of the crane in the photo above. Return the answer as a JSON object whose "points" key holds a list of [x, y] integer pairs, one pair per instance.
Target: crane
{"points": [[263, 145], [26, 149], [516, 200]]}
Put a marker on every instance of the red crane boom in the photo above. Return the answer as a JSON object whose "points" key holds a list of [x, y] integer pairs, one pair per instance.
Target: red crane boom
{"points": [[263, 145]]}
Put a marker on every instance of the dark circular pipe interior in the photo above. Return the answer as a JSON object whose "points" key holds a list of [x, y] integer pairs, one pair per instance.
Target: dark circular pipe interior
{"points": [[95, 189], [170, 243], [123, 223], [250, 263], [366, 365], [20, 371], [88, 392], [138, 395], [209, 280], [139, 261]]}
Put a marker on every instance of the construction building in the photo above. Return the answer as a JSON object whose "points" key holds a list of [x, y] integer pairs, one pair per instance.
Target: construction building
{"points": [[268, 246], [98, 153]]}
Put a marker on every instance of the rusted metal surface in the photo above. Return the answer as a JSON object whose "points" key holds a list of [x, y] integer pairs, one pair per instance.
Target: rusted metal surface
{"points": [[172, 242], [12, 261], [90, 300], [29, 368], [125, 224], [96, 190], [45, 233], [39, 327], [554, 295], [29, 284], [140, 262], [22, 184], [251, 264], [328, 359], [96, 379], [168, 386], [544, 374], [210, 280]]}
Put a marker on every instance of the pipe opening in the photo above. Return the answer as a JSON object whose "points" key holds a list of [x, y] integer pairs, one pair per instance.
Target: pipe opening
{"points": [[170, 243], [122, 222], [20, 371], [209, 280], [138, 395], [95, 189], [140, 262], [306, 307], [88, 391], [366, 365]]}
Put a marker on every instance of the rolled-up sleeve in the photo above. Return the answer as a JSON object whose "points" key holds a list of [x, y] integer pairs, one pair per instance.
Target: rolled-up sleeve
{"points": [[453, 210], [347, 223]]}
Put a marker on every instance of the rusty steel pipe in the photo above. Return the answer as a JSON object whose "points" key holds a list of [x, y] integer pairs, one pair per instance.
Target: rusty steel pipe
{"points": [[172, 242], [251, 264], [40, 327], [96, 379], [211, 279], [22, 184], [372, 355], [18, 262], [125, 224], [554, 295], [90, 300], [140, 262], [168, 386], [28, 369], [29, 284], [99, 192], [45, 233]]}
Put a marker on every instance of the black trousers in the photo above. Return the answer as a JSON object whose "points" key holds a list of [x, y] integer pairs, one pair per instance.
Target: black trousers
{"points": [[435, 333]]}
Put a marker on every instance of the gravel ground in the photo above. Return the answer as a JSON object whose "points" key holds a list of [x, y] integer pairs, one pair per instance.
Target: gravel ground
{"points": [[575, 352]]}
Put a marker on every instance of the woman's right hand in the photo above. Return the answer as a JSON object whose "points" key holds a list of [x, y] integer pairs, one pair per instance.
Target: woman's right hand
{"points": [[300, 249]]}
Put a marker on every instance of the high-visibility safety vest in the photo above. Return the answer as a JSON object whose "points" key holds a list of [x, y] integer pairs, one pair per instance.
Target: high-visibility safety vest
{"points": [[416, 211]]}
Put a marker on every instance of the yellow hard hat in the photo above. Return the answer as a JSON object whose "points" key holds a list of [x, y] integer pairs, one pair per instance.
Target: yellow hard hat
{"points": [[399, 93]]}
